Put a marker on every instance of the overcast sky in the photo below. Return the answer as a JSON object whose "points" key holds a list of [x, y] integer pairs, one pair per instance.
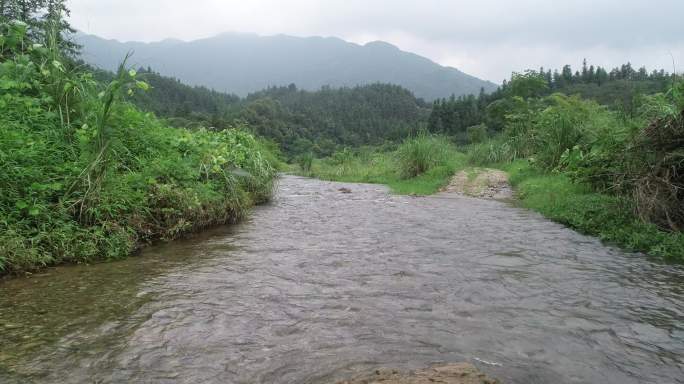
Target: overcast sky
{"points": [[486, 38]]}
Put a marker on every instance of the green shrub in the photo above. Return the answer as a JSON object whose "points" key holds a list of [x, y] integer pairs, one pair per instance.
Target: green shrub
{"points": [[477, 134]]}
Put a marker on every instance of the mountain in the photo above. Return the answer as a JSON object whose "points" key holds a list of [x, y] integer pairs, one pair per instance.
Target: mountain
{"points": [[244, 63]]}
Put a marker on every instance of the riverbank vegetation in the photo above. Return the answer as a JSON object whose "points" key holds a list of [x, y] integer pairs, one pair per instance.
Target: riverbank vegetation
{"points": [[605, 172], [598, 169], [420, 165], [612, 218], [87, 176]]}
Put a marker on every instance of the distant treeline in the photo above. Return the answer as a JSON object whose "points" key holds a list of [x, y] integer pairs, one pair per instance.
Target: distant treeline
{"points": [[323, 121], [619, 88]]}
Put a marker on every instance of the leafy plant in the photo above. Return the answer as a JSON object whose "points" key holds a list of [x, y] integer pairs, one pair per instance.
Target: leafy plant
{"points": [[86, 176]]}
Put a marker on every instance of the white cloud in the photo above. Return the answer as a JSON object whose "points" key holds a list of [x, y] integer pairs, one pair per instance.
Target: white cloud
{"points": [[487, 38]]}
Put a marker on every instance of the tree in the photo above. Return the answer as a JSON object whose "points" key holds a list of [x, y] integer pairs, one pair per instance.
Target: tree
{"points": [[567, 74], [528, 84], [46, 20], [585, 71], [601, 76], [558, 80]]}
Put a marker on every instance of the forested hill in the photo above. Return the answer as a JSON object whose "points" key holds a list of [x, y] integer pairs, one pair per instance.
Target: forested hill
{"points": [[170, 98], [242, 64], [327, 119], [298, 121]]}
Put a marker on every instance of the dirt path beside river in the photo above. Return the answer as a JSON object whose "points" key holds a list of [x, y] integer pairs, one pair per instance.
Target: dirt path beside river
{"points": [[482, 183]]}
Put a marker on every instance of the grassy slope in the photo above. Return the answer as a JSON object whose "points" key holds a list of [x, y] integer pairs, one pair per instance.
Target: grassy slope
{"points": [[608, 217]]}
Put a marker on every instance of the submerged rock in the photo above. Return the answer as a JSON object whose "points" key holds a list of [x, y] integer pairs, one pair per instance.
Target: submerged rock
{"points": [[460, 373]]}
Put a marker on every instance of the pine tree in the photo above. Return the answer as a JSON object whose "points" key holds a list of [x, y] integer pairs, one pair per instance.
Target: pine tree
{"points": [[558, 80], [567, 74]]}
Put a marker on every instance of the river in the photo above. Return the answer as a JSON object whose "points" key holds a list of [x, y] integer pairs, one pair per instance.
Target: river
{"points": [[320, 285]]}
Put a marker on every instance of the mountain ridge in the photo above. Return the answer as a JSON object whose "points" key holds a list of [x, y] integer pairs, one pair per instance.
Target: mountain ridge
{"points": [[241, 64]]}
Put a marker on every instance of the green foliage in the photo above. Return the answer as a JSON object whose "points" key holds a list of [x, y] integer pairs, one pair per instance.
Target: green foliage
{"points": [[301, 122], [385, 166], [613, 175], [327, 120], [183, 105], [609, 217], [528, 84], [86, 176], [477, 134], [494, 151], [621, 89], [44, 20]]}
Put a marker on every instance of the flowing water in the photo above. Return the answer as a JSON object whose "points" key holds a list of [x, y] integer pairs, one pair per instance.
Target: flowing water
{"points": [[320, 285]]}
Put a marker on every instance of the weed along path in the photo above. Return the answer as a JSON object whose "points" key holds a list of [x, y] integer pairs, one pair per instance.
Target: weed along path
{"points": [[325, 285]]}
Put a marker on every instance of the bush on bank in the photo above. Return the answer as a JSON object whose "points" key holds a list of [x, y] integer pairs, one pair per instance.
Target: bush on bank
{"points": [[85, 176]]}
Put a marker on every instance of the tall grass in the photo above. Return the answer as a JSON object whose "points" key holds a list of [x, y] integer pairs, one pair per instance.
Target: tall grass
{"points": [[416, 156], [494, 151]]}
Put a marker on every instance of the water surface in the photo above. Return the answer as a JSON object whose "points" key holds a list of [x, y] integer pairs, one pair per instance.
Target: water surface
{"points": [[320, 285]]}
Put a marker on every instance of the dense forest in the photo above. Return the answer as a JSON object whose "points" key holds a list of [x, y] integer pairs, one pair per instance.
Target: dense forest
{"points": [[620, 89], [328, 119]]}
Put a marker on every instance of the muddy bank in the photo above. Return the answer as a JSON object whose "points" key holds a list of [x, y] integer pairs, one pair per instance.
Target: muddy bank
{"points": [[461, 373], [481, 183]]}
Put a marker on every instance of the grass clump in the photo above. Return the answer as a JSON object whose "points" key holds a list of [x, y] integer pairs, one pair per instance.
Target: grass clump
{"points": [[418, 155], [86, 176]]}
